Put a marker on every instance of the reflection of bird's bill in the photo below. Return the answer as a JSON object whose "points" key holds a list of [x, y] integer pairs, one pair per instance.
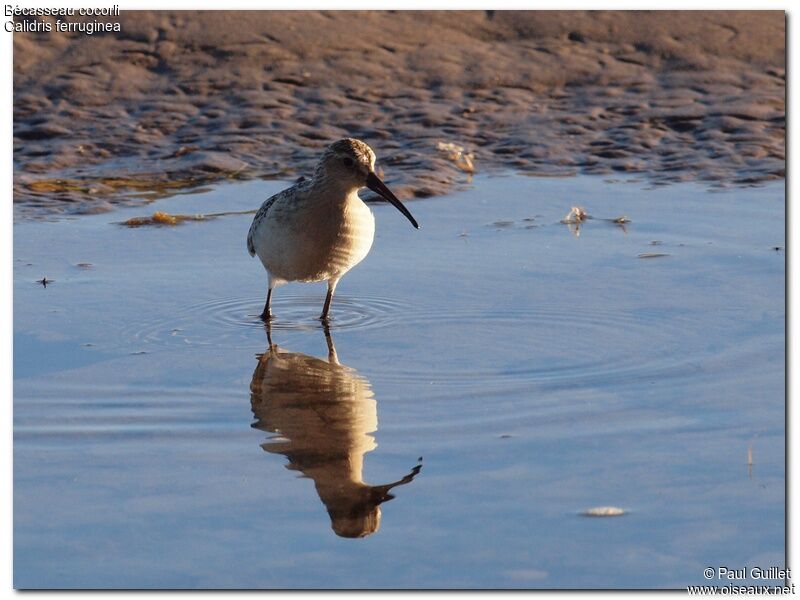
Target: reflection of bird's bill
{"points": [[380, 493], [376, 185], [360, 518]]}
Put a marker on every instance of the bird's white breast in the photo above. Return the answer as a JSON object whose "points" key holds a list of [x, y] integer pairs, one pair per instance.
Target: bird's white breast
{"points": [[313, 238]]}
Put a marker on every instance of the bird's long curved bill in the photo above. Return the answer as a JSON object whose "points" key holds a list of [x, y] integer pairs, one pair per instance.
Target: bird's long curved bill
{"points": [[376, 185]]}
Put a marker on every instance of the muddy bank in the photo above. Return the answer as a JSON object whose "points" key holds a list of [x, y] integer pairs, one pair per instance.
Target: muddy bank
{"points": [[181, 98]]}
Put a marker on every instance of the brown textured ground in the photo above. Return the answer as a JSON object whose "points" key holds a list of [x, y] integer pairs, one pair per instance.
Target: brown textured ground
{"points": [[180, 98]]}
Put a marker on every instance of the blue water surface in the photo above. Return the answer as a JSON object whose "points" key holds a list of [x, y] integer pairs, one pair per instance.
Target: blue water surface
{"points": [[533, 369]]}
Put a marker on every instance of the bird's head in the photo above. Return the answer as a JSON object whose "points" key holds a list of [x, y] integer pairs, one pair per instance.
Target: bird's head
{"points": [[352, 163]]}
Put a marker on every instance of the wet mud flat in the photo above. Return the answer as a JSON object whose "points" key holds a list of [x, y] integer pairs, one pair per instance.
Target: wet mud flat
{"points": [[550, 404], [179, 99]]}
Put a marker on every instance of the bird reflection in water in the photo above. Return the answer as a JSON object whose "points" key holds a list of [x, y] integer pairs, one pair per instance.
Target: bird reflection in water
{"points": [[323, 413]]}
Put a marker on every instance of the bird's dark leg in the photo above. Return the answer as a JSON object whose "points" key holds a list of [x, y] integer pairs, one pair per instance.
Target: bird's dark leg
{"points": [[266, 314], [327, 307], [328, 299]]}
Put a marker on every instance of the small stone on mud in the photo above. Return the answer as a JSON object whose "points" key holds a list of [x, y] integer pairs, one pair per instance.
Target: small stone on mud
{"points": [[461, 159]]}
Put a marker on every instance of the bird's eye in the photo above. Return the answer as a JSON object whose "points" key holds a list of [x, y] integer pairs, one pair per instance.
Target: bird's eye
{"points": [[348, 162]]}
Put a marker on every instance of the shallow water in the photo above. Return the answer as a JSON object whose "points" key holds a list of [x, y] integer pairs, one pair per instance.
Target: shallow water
{"points": [[532, 373]]}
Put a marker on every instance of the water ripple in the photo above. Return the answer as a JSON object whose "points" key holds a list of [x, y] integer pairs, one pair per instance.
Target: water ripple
{"points": [[228, 321], [551, 346], [555, 346]]}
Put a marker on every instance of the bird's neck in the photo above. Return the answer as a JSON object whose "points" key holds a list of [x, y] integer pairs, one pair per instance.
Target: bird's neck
{"points": [[334, 189]]}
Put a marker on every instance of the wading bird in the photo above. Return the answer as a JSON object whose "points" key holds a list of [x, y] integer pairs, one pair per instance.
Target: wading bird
{"points": [[319, 229]]}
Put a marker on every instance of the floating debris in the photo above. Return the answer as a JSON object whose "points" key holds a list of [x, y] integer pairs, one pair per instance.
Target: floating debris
{"points": [[574, 218], [576, 215], [621, 221], [85, 265], [604, 511], [44, 281], [652, 255], [163, 218], [503, 223], [462, 159]]}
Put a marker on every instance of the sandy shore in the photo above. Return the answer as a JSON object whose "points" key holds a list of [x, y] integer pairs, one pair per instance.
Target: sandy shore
{"points": [[180, 98]]}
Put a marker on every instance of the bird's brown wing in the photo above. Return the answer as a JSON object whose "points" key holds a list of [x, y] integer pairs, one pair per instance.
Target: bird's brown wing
{"points": [[298, 188]]}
